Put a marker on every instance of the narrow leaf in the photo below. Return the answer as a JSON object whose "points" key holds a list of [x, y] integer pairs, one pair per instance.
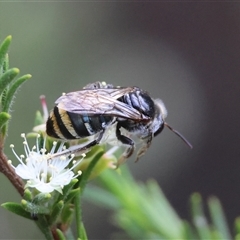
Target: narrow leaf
{"points": [[86, 174], [83, 233], [101, 197], [4, 48], [67, 214], [57, 209], [72, 194], [41, 198], [28, 195], [12, 90], [43, 226], [38, 119], [218, 218], [237, 237], [188, 231], [34, 209], [60, 235], [67, 189], [199, 218], [17, 209], [4, 117], [237, 226], [6, 63], [7, 78]]}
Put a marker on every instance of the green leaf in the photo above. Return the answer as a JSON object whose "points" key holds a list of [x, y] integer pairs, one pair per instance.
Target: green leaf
{"points": [[72, 194], [28, 195], [6, 63], [83, 233], [60, 235], [237, 237], [237, 226], [101, 197], [17, 209], [67, 214], [41, 198], [144, 211], [4, 49], [199, 219], [4, 117], [34, 209], [3, 97], [38, 119], [86, 174], [57, 209], [12, 90], [43, 226], [67, 189], [189, 233], [218, 218], [8, 78]]}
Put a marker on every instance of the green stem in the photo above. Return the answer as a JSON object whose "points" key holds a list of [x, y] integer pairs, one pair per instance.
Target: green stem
{"points": [[86, 174], [78, 214], [81, 233], [43, 226]]}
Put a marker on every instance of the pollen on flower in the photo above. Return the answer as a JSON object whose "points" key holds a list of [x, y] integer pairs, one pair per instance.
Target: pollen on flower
{"points": [[42, 169], [43, 175], [62, 158], [43, 150]]}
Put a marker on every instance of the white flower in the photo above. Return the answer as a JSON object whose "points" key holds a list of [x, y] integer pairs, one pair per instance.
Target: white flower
{"points": [[44, 171]]}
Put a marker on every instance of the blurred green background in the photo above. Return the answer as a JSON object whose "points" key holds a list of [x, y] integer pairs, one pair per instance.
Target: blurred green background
{"points": [[185, 53]]}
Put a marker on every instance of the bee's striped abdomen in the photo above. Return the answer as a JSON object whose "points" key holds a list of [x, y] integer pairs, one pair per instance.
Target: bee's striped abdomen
{"points": [[67, 125]]}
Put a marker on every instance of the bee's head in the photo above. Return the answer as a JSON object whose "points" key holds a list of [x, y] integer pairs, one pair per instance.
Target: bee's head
{"points": [[159, 118], [159, 121]]}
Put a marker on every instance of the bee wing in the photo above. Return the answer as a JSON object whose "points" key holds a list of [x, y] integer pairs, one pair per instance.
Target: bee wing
{"points": [[99, 101]]}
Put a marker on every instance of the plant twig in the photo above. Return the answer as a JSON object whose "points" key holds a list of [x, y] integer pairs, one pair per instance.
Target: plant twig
{"points": [[9, 172]]}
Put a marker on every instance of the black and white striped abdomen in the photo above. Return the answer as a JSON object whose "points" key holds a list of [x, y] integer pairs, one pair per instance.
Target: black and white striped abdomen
{"points": [[67, 125]]}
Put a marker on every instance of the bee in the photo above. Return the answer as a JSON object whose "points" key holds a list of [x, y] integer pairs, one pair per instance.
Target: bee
{"points": [[98, 106]]}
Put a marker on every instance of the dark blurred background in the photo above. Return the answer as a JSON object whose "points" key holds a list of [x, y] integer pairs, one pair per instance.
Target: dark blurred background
{"points": [[187, 54]]}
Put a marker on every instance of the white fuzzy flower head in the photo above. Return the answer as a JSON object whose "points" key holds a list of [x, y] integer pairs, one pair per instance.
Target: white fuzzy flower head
{"points": [[42, 170]]}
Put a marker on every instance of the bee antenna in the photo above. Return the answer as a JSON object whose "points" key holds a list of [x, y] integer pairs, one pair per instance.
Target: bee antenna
{"points": [[179, 135]]}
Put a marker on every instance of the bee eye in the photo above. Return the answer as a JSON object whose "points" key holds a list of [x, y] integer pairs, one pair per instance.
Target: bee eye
{"points": [[159, 130]]}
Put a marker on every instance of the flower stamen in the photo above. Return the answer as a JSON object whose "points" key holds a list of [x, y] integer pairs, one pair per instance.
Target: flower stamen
{"points": [[44, 173]]}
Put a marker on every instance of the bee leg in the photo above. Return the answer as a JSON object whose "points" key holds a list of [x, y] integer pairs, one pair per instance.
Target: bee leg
{"points": [[144, 148], [127, 141], [80, 149]]}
